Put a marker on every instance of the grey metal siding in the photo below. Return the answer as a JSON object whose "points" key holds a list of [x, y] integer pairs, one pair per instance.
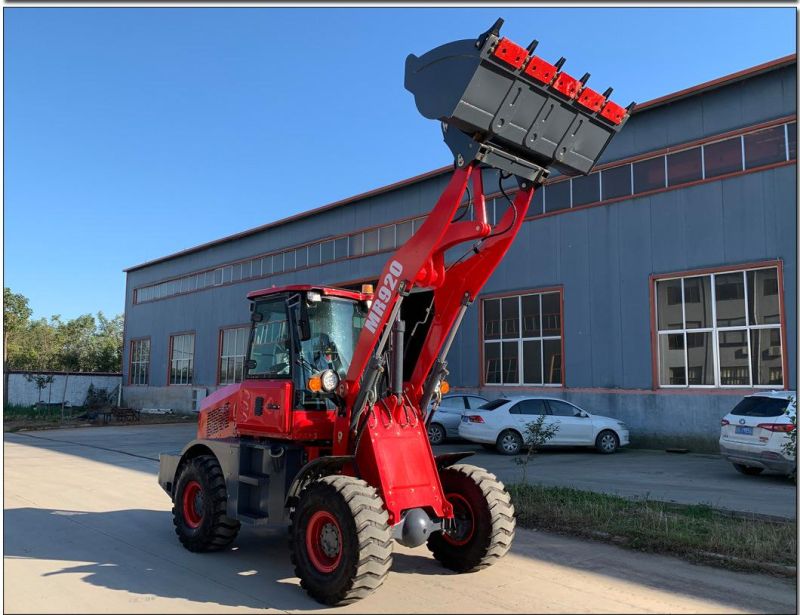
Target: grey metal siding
{"points": [[602, 258]]}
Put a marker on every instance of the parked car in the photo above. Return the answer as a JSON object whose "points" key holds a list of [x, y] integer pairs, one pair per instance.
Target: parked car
{"points": [[448, 416], [753, 435], [501, 423]]}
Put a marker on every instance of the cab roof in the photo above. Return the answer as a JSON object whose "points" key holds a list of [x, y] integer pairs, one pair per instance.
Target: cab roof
{"points": [[323, 290]]}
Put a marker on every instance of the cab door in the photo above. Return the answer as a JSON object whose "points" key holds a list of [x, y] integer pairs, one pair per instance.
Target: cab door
{"points": [[264, 406]]}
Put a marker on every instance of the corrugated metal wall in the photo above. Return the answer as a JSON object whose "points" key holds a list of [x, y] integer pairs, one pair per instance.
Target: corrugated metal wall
{"points": [[602, 256]]}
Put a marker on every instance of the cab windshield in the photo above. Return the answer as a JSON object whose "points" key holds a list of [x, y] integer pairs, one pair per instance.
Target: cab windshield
{"points": [[335, 325]]}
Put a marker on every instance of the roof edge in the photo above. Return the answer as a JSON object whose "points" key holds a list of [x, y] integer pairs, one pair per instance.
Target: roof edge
{"points": [[647, 105], [718, 82]]}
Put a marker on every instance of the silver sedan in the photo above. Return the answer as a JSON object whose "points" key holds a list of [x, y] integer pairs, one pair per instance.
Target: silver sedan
{"points": [[448, 416]]}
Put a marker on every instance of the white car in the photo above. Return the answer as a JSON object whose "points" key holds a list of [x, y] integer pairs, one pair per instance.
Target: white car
{"points": [[754, 434], [501, 424], [448, 416]]}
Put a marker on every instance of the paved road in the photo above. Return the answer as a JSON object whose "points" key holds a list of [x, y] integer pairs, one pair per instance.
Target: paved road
{"points": [[688, 479], [88, 530]]}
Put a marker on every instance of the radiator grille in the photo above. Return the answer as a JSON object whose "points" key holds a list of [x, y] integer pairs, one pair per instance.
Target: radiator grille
{"points": [[219, 419]]}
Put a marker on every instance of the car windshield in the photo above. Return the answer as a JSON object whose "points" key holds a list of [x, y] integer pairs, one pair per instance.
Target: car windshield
{"points": [[491, 405], [761, 406]]}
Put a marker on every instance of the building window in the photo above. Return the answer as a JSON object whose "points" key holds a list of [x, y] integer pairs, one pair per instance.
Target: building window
{"points": [[327, 251], [340, 248], [557, 196], [371, 241], [233, 347], [648, 175], [181, 358], [719, 329], [522, 340], [684, 167], [723, 157], [617, 182], [764, 147], [386, 237], [140, 362], [586, 189]]}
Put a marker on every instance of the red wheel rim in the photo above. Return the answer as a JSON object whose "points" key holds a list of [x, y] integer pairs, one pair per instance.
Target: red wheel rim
{"points": [[464, 520], [193, 504], [324, 541]]}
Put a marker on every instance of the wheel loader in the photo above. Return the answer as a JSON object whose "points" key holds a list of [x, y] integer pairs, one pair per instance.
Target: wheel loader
{"points": [[327, 431]]}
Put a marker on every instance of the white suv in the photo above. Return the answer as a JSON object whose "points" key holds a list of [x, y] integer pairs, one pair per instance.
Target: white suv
{"points": [[754, 434]]}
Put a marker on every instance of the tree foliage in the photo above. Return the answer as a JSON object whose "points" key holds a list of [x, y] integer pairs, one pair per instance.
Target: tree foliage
{"points": [[84, 344]]}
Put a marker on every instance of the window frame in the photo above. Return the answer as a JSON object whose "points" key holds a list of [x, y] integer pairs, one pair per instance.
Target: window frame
{"points": [[520, 339], [220, 347], [131, 343], [714, 329], [172, 337]]}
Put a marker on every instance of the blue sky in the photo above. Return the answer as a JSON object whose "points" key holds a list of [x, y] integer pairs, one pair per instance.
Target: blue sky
{"points": [[134, 133]]}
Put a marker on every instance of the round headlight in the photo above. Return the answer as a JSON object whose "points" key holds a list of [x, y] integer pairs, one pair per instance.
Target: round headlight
{"points": [[330, 380]]}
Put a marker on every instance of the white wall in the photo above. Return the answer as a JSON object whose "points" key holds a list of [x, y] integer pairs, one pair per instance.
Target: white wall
{"points": [[21, 392]]}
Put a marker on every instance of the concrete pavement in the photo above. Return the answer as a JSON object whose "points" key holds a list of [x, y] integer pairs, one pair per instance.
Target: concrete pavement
{"points": [[87, 529], [683, 478]]}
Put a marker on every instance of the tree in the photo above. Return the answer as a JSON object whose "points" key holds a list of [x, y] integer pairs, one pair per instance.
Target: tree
{"points": [[83, 344], [15, 316], [536, 434]]}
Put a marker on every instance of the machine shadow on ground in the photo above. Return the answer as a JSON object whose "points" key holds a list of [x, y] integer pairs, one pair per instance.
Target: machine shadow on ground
{"points": [[256, 565], [255, 572]]}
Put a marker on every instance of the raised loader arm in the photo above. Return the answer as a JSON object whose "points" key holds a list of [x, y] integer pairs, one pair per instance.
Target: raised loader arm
{"points": [[502, 108]]}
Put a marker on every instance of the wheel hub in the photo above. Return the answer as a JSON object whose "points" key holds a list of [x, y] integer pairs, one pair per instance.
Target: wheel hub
{"points": [[324, 541], [193, 504], [462, 528], [329, 540]]}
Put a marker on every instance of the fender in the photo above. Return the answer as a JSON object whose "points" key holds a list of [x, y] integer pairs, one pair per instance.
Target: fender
{"points": [[225, 451], [319, 467], [445, 460]]}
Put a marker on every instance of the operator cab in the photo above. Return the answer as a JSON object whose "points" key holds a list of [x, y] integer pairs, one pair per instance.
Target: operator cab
{"points": [[305, 335]]}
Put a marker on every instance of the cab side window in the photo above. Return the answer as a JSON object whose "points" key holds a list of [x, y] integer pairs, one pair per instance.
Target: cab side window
{"points": [[271, 350]]}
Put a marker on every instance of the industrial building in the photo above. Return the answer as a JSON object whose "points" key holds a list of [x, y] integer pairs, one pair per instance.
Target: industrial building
{"points": [[659, 289]]}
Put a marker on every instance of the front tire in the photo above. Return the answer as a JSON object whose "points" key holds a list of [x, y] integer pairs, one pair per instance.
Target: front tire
{"points": [[484, 520], [340, 540], [607, 442], [199, 507], [749, 470], [436, 433]]}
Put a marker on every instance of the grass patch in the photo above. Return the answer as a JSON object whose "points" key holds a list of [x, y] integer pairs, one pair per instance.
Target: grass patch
{"points": [[695, 532], [18, 418], [46, 414]]}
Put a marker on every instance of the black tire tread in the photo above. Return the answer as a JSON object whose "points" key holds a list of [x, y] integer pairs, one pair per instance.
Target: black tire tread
{"points": [[502, 520], [374, 540], [223, 529]]}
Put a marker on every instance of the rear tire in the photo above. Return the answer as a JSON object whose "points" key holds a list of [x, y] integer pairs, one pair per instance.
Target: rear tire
{"points": [[436, 433], [485, 523], [749, 470], [607, 442], [509, 442], [199, 507], [340, 540]]}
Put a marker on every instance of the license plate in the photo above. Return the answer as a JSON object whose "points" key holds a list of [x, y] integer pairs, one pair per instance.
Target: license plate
{"points": [[745, 431]]}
